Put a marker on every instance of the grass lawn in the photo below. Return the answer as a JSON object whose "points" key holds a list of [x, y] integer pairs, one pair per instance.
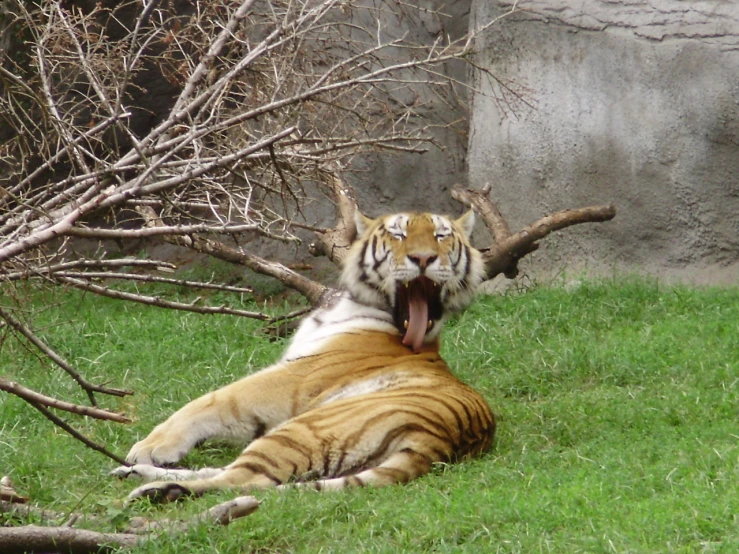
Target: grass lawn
{"points": [[618, 426]]}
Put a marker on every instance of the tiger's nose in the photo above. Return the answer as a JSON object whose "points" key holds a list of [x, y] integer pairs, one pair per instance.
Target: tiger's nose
{"points": [[422, 260]]}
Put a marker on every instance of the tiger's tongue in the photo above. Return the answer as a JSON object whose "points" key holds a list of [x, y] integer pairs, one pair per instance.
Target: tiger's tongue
{"points": [[418, 314]]}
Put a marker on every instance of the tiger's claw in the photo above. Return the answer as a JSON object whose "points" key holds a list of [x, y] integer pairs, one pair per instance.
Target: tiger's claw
{"points": [[161, 492], [137, 471]]}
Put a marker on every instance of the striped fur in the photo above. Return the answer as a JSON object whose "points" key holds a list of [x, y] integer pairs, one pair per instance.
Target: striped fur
{"points": [[361, 396]]}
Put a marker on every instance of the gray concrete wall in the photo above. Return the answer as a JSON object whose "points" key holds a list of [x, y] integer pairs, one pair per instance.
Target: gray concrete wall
{"points": [[634, 103], [389, 182]]}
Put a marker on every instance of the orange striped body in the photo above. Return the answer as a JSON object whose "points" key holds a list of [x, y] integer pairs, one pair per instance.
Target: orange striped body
{"points": [[361, 397], [420, 410]]}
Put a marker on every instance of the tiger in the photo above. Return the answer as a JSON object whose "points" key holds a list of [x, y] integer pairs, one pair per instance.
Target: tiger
{"points": [[361, 396]]}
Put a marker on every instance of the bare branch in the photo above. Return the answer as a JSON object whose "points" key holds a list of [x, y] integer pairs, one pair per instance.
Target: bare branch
{"points": [[153, 279], [76, 434], [34, 538], [335, 242], [220, 514], [503, 258], [156, 301], [121, 262], [509, 248], [292, 315], [309, 288], [58, 360], [34, 397], [479, 200], [89, 233], [8, 493]]}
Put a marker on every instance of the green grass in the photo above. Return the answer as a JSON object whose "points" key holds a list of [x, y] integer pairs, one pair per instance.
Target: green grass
{"points": [[618, 427]]}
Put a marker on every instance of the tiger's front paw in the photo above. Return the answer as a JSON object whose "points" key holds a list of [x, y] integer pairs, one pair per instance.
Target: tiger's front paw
{"points": [[160, 492], [159, 449]]}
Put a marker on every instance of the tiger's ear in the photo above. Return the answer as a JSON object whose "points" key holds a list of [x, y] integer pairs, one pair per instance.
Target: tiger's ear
{"points": [[466, 223], [362, 222]]}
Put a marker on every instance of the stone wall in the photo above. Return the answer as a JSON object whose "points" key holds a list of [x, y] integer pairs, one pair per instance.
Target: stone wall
{"points": [[634, 103], [389, 182]]}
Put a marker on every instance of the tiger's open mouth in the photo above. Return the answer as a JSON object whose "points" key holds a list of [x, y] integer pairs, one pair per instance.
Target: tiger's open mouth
{"points": [[417, 306]]}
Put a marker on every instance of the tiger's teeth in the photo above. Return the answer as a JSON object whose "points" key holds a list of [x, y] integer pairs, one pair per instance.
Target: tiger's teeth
{"points": [[405, 324]]}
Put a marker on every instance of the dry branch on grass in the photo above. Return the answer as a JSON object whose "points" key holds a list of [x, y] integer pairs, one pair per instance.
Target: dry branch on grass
{"points": [[8, 493], [28, 334], [32, 396], [68, 538]]}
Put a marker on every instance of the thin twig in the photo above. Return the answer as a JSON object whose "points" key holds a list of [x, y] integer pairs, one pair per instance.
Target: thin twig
{"points": [[76, 434], [156, 301], [34, 397], [292, 315], [153, 279], [57, 359], [122, 262]]}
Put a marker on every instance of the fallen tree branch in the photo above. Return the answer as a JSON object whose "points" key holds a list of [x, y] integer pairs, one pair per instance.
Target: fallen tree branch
{"points": [[156, 301], [509, 248], [96, 233], [292, 315], [34, 397], [221, 514], [504, 257], [8, 493], [335, 243], [284, 325], [153, 279], [312, 290], [77, 264], [34, 538]]}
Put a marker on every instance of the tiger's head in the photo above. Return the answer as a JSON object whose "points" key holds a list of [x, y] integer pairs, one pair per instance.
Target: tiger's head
{"points": [[417, 266]]}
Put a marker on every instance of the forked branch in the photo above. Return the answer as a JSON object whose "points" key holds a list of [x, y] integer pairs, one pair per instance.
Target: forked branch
{"points": [[479, 201], [503, 256], [334, 243]]}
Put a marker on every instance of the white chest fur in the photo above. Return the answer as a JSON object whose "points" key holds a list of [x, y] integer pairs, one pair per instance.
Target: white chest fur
{"points": [[344, 317]]}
